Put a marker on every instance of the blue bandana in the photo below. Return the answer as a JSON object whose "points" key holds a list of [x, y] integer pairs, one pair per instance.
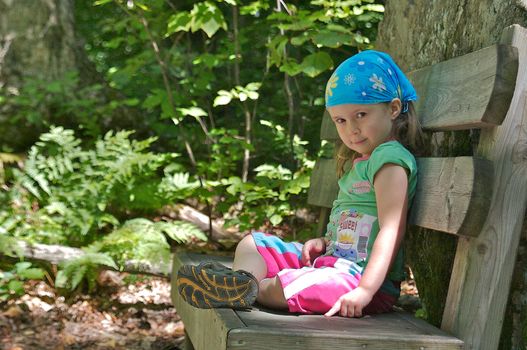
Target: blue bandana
{"points": [[366, 78]]}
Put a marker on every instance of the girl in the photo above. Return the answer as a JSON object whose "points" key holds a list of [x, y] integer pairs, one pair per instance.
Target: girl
{"points": [[357, 267]]}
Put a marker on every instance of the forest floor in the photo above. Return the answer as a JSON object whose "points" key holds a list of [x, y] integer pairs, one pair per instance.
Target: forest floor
{"points": [[131, 312]]}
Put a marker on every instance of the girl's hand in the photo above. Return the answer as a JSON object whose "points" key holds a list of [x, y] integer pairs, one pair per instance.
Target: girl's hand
{"points": [[312, 249], [351, 304]]}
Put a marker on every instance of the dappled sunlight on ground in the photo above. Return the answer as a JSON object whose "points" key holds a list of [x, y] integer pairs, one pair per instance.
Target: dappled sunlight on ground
{"points": [[118, 316]]}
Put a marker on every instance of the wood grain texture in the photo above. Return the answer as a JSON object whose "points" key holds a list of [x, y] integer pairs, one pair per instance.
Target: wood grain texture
{"points": [[470, 91], [452, 195], [207, 328], [447, 190], [397, 330], [483, 267], [323, 187]]}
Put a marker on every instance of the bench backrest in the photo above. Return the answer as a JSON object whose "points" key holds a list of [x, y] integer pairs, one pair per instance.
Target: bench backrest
{"points": [[457, 194]]}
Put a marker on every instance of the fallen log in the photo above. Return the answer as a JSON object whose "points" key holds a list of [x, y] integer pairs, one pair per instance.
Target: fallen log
{"points": [[219, 234], [55, 254]]}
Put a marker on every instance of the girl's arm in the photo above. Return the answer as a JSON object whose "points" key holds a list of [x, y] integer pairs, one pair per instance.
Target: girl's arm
{"points": [[391, 186]]}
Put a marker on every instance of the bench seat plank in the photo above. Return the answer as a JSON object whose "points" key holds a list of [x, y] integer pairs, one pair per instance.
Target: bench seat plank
{"points": [[447, 189], [258, 328]]}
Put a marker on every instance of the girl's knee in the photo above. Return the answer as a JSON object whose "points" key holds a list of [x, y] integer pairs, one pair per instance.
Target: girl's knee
{"points": [[271, 293], [246, 244]]}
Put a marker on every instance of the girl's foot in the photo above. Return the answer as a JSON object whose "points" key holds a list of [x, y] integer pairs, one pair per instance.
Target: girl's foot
{"points": [[213, 285]]}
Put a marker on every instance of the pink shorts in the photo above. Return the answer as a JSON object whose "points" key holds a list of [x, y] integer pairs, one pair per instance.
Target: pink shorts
{"points": [[316, 289]]}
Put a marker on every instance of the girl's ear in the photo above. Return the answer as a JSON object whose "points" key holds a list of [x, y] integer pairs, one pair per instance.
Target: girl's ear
{"points": [[395, 108]]}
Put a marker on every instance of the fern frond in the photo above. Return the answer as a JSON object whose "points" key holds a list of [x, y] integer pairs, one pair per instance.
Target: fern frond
{"points": [[9, 158], [180, 231], [75, 270], [9, 245]]}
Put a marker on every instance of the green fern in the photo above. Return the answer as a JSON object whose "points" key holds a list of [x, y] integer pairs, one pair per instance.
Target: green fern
{"points": [[141, 240], [180, 231], [81, 192], [8, 245], [85, 267]]}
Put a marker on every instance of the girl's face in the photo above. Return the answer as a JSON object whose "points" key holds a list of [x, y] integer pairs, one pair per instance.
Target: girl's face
{"points": [[364, 127]]}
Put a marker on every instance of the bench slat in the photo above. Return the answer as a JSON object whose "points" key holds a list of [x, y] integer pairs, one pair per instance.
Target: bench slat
{"points": [[470, 91], [447, 188], [252, 338], [323, 187]]}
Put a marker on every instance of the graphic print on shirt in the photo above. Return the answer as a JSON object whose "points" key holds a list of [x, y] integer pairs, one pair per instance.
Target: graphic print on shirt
{"points": [[353, 233]]}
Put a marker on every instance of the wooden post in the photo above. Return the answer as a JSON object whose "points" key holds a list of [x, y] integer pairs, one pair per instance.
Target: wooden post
{"points": [[484, 264]]}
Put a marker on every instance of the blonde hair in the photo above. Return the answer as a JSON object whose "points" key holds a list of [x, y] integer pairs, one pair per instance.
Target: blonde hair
{"points": [[405, 128]]}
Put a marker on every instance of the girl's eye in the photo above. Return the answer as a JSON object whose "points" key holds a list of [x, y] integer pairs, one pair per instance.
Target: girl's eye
{"points": [[360, 115], [340, 120]]}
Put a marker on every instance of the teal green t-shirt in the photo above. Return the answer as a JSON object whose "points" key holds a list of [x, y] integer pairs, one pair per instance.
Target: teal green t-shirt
{"points": [[353, 225]]}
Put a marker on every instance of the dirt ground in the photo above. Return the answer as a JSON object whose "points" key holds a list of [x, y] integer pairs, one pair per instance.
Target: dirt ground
{"points": [[124, 314]]}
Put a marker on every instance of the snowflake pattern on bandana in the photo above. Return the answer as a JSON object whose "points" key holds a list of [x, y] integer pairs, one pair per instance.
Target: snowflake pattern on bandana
{"points": [[349, 79]]}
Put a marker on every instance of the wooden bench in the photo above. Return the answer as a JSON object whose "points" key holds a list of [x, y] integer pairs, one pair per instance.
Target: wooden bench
{"points": [[481, 199]]}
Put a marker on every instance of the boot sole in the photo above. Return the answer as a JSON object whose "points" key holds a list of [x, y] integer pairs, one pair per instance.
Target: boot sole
{"points": [[212, 285]]}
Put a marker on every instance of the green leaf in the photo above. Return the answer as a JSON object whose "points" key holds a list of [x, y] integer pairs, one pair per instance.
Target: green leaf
{"points": [[154, 99], [276, 219], [101, 2], [166, 108], [21, 266], [316, 63], [222, 100], [253, 95], [195, 112], [304, 24], [179, 22], [16, 287], [253, 86], [300, 40], [32, 274], [276, 49], [291, 67], [61, 281], [207, 17], [331, 39]]}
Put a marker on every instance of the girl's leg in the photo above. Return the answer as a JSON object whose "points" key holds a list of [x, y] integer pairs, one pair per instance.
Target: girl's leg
{"points": [[271, 294], [247, 257]]}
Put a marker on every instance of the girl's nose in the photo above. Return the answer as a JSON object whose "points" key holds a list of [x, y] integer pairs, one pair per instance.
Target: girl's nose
{"points": [[352, 127]]}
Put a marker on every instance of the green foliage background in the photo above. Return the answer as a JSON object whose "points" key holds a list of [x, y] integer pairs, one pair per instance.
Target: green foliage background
{"points": [[202, 86]]}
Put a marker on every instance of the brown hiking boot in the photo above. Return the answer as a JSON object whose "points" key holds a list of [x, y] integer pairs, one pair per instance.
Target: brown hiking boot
{"points": [[213, 285]]}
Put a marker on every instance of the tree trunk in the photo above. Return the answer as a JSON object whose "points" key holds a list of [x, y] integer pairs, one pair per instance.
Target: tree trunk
{"points": [[37, 40], [418, 33]]}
